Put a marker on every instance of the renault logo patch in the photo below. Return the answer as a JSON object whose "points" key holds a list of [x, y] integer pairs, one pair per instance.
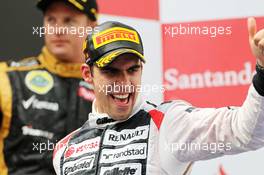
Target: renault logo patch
{"points": [[39, 81]]}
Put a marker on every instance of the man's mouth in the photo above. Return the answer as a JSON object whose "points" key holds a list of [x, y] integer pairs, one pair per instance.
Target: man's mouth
{"points": [[121, 99], [59, 42]]}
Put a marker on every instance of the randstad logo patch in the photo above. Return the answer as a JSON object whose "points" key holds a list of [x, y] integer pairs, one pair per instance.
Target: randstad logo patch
{"points": [[39, 81], [115, 34]]}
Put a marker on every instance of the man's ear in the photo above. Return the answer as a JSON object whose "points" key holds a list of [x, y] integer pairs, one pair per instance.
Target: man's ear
{"points": [[94, 24], [87, 73], [91, 23]]}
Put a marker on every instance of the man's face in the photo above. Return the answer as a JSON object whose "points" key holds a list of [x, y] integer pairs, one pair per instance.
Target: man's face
{"points": [[67, 47], [115, 86]]}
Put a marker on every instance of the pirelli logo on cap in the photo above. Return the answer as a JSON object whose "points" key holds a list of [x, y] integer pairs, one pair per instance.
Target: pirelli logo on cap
{"points": [[115, 34]]}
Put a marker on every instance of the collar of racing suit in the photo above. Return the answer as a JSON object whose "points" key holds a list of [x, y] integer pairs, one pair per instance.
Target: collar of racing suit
{"points": [[101, 120], [49, 61]]}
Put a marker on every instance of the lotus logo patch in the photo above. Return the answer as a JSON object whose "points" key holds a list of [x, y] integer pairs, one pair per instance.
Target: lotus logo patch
{"points": [[39, 81]]}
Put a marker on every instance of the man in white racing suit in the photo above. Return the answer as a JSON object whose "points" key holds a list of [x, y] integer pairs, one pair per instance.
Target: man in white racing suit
{"points": [[126, 135]]}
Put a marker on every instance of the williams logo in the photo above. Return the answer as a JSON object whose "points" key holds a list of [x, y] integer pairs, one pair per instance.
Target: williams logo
{"points": [[39, 81], [122, 169]]}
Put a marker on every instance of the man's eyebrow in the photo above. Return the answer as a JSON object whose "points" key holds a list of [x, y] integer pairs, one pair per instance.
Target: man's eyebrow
{"points": [[135, 66], [108, 68]]}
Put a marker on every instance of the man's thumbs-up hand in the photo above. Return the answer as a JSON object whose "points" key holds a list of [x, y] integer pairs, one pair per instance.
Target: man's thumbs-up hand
{"points": [[256, 41]]}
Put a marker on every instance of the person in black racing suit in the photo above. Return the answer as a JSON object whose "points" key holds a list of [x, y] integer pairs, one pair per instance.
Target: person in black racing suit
{"points": [[44, 98]]}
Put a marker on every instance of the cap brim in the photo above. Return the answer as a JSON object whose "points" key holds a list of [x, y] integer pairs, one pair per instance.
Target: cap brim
{"points": [[44, 4], [109, 57]]}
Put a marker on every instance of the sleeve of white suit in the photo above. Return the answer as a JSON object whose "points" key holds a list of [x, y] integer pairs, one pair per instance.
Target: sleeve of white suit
{"points": [[191, 134]]}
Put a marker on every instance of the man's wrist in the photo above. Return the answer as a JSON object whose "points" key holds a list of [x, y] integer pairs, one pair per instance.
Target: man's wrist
{"points": [[260, 66], [258, 79]]}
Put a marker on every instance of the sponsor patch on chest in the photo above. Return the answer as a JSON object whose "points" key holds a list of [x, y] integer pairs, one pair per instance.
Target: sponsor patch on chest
{"points": [[79, 165], [87, 146], [122, 169], [129, 152], [125, 136]]}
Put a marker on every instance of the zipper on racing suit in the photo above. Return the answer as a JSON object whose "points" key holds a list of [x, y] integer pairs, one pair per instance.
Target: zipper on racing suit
{"points": [[99, 152]]}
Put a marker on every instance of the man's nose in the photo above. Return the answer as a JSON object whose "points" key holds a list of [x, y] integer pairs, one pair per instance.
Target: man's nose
{"points": [[61, 28], [123, 79]]}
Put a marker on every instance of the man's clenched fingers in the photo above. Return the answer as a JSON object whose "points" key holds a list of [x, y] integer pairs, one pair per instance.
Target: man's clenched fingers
{"points": [[252, 27], [259, 39]]}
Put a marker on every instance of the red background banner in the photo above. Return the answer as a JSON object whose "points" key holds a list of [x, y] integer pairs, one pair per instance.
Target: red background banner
{"points": [[208, 69], [147, 9]]}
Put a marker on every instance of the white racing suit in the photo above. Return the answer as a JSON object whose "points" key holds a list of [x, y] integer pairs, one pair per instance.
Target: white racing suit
{"points": [[162, 139]]}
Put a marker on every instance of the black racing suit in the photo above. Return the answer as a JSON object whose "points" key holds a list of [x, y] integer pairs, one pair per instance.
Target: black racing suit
{"points": [[41, 101]]}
